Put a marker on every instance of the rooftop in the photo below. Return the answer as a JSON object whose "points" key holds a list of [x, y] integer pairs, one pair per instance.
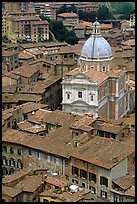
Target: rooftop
{"points": [[96, 151], [67, 15]]}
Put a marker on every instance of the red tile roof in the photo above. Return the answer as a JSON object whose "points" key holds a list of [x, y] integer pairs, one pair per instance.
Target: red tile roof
{"points": [[67, 15], [96, 151]]}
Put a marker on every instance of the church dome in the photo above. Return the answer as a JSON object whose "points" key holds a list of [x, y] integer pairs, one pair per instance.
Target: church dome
{"points": [[96, 46]]}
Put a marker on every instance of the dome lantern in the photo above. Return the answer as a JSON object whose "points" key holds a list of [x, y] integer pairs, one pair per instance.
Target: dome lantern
{"points": [[96, 28]]}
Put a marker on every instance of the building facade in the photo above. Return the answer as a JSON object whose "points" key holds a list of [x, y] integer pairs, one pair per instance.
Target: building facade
{"points": [[95, 87]]}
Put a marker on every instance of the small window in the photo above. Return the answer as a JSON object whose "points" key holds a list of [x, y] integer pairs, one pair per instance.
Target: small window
{"points": [[93, 189], [4, 149], [79, 94], [75, 171], [4, 161], [103, 194], [49, 158], [75, 181], [12, 162], [29, 152], [11, 150], [37, 155], [68, 96], [19, 151], [83, 185], [103, 181], [92, 177], [91, 97], [104, 68], [57, 162]]}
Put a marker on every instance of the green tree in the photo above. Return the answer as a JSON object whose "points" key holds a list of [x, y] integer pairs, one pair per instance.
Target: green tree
{"points": [[62, 9], [71, 38], [82, 15], [103, 13], [72, 8]]}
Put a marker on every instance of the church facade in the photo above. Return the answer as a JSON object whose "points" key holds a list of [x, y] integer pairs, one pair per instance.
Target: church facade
{"points": [[95, 87]]}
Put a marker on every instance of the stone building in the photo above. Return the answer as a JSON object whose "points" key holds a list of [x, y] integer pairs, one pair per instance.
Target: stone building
{"points": [[95, 87]]}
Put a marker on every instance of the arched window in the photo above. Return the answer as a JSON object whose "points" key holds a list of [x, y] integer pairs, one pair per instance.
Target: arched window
{"points": [[12, 162], [4, 161]]}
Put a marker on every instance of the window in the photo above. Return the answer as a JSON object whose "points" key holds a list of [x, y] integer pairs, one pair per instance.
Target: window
{"points": [[133, 160], [83, 185], [91, 97], [12, 162], [121, 199], [37, 155], [115, 198], [103, 181], [29, 152], [49, 158], [11, 150], [4, 149], [68, 96], [104, 68], [92, 177], [57, 161], [19, 151], [93, 189], [8, 124], [19, 164], [4, 161], [66, 163], [45, 200], [79, 94], [83, 174], [75, 171], [103, 194], [4, 171], [75, 181]]}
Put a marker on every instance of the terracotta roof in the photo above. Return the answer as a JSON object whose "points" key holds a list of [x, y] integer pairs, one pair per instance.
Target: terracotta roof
{"points": [[83, 123], [10, 192], [7, 53], [67, 15], [125, 182], [110, 128], [130, 191], [54, 117], [11, 98], [62, 137], [94, 75], [30, 183], [12, 75], [66, 196], [96, 150], [12, 177], [31, 106], [130, 42], [35, 52], [105, 26], [56, 180], [41, 22], [115, 73], [29, 127], [26, 70], [26, 18], [25, 55], [24, 12]]}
